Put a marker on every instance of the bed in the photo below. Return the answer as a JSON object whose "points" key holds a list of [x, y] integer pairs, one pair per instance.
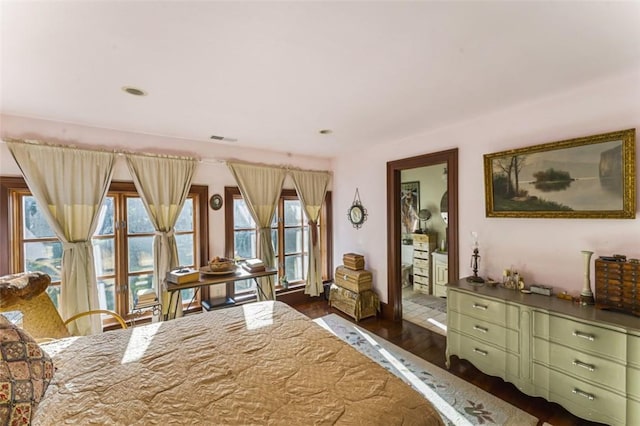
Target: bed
{"points": [[260, 363]]}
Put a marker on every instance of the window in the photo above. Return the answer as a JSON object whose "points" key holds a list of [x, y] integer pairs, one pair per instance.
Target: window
{"points": [[122, 241], [289, 234]]}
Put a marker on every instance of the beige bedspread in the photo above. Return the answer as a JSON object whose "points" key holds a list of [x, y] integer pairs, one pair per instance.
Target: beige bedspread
{"points": [[261, 363]]}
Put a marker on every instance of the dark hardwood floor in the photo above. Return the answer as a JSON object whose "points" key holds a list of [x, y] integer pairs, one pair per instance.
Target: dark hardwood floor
{"points": [[431, 347]]}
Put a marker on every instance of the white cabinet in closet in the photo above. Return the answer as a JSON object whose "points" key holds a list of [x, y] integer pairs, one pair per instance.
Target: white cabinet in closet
{"points": [[423, 246], [440, 273]]}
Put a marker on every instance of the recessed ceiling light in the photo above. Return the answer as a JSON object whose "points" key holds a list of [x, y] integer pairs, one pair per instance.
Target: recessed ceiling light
{"points": [[325, 131], [134, 91]]}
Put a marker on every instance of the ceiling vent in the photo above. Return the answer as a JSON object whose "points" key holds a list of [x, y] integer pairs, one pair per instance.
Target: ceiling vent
{"points": [[223, 138]]}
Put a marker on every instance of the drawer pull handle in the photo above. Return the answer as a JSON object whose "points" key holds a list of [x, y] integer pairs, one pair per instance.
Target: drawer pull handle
{"points": [[480, 351], [584, 394], [481, 307], [481, 329], [584, 365], [589, 337]]}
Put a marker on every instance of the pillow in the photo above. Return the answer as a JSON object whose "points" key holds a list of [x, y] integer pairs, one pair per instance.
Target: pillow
{"points": [[25, 373], [22, 286]]}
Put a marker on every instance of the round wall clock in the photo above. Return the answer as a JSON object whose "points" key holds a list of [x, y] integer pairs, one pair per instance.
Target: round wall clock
{"points": [[215, 201], [356, 213]]}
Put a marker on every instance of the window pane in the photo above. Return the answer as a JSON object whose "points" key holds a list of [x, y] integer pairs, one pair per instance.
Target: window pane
{"points": [[244, 286], [34, 225], [54, 293], [185, 220], [305, 237], [107, 293], [137, 219], [244, 243], [274, 220], [293, 240], [140, 254], [274, 240], [293, 268], [136, 284], [43, 257], [105, 218], [184, 242], [187, 295], [292, 213], [104, 256], [241, 216]]}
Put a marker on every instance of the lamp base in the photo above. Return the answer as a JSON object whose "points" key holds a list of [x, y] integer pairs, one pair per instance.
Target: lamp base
{"points": [[475, 280], [587, 299]]}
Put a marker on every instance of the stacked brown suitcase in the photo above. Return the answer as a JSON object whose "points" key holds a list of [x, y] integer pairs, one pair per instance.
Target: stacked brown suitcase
{"points": [[352, 291]]}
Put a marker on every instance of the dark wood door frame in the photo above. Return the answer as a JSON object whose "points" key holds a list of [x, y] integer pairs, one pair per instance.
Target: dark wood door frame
{"points": [[394, 279]]}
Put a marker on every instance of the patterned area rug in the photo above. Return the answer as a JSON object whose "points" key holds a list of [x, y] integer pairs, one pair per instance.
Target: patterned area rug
{"points": [[459, 402], [436, 303]]}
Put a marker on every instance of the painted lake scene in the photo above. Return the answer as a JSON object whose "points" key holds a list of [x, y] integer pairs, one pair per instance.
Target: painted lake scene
{"points": [[586, 177]]}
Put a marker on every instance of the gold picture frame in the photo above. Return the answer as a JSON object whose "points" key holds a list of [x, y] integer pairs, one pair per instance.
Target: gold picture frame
{"points": [[587, 177]]}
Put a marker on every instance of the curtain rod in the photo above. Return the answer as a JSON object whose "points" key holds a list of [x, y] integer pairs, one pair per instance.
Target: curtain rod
{"points": [[145, 154], [118, 152], [286, 168]]}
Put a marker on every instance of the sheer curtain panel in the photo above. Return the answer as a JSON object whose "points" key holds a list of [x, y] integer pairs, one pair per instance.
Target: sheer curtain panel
{"points": [[163, 184], [311, 188], [69, 186], [260, 187]]}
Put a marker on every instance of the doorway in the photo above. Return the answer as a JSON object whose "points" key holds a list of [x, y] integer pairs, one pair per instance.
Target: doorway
{"points": [[394, 233]]}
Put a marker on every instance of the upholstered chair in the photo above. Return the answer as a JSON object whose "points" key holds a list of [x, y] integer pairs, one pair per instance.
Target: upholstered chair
{"points": [[25, 292]]}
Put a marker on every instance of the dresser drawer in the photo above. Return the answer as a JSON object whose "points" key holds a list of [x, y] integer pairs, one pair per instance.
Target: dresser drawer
{"points": [[421, 263], [588, 367], [420, 279], [586, 400], [426, 247], [420, 271], [633, 412], [633, 369], [633, 350], [589, 338], [484, 331], [633, 382], [422, 288], [485, 357], [574, 395], [477, 307]]}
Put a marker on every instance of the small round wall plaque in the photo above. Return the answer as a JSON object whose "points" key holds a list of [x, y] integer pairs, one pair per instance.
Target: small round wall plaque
{"points": [[215, 201]]}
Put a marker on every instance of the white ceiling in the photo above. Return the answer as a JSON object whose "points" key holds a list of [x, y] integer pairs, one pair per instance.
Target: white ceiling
{"points": [[272, 74]]}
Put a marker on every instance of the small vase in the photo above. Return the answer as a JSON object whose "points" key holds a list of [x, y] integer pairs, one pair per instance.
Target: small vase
{"points": [[586, 296]]}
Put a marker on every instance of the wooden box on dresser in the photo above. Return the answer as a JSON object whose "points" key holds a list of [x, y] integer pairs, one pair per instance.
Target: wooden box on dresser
{"points": [[423, 247], [584, 358], [618, 285]]}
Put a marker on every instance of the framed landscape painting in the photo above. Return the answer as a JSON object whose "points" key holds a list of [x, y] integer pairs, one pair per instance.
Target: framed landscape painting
{"points": [[588, 177]]}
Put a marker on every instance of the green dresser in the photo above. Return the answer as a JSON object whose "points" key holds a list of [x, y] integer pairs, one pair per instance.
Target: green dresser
{"points": [[585, 359]]}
